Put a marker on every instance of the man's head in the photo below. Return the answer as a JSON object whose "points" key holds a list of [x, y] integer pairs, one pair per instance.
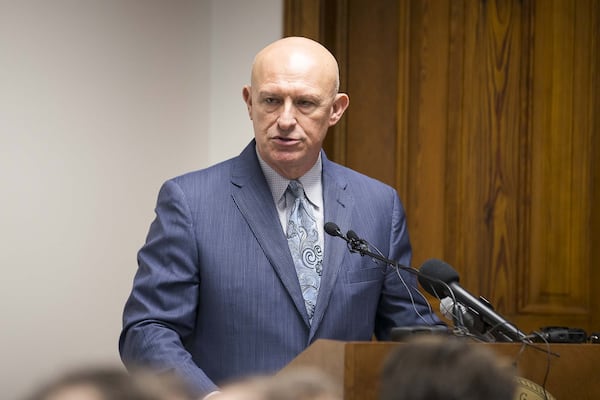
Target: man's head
{"points": [[446, 368], [292, 100]]}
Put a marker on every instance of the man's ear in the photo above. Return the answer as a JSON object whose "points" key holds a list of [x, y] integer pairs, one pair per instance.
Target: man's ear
{"points": [[340, 103], [247, 96]]}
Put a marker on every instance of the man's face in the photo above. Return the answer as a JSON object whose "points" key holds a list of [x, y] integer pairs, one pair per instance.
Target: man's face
{"points": [[292, 103]]}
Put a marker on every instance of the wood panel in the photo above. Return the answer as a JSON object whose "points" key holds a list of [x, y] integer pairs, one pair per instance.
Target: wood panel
{"points": [[372, 84], [303, 18], [561, 183], [485, 193], [485, 116], [424, 128]]}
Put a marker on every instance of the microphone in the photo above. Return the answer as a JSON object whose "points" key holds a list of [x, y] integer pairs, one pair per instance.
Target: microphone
{"points": [[361, 246], [332, 229], [353, 236], [356, 242], [442, 272], [358, 245], [465, 317], [448, 308]]}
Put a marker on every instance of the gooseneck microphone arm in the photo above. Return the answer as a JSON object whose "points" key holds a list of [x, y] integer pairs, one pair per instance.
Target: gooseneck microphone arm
{"points": [[361, 246], [358, 245]]}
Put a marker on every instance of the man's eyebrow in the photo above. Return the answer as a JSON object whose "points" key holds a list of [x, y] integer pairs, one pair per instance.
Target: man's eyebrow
{"points": [[264, 93], [300, 96]]}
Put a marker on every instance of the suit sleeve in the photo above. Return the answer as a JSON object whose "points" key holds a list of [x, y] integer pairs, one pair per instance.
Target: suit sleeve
{"points": [[401, 303], [161, 310]]}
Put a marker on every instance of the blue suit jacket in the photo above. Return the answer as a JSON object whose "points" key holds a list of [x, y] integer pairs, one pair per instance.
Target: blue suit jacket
{"points": [[216, 295]]}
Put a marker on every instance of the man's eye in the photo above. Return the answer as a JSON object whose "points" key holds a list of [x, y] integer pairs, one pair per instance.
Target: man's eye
{"points": [[305, 103], [271, 100]]}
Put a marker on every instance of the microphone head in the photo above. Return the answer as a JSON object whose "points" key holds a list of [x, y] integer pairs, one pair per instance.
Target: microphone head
{"points": [[332, 229], [352, 235], [432, 272]]}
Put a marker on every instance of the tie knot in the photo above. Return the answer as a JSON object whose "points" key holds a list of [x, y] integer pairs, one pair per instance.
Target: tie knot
{"points": [[296, 188]]}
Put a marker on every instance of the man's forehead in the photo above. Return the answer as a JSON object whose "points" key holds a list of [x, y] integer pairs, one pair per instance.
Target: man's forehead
{"points": [[311, 80], [289, 89]]}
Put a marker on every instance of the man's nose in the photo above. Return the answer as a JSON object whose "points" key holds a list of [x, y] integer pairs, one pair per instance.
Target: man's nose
{"points": [[287, 117]]}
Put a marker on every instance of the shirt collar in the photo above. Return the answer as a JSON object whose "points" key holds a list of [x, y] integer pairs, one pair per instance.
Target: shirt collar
{"points": [[311, 181]]}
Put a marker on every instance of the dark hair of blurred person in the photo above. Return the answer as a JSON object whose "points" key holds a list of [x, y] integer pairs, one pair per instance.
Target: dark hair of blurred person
{"points": [[446, 368], [111, 383]]}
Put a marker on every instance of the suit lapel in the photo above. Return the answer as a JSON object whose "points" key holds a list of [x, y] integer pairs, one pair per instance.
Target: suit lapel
{"points": [[338, 206], [253, 198]]}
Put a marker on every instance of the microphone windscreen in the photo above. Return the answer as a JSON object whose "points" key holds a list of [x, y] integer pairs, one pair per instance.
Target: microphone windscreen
{"points": [[432, 272], [332, 229], [352, 235]]}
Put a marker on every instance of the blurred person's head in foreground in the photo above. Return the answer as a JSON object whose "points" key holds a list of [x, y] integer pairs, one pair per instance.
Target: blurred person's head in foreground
{"points": [[111, 383], [433, 367], [295, 384]]}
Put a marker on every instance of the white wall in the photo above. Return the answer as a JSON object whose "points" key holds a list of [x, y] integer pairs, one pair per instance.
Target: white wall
{"points": [[100, 102]]}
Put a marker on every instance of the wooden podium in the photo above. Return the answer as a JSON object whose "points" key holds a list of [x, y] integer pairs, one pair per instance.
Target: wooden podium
{"points": [[355, 366]]}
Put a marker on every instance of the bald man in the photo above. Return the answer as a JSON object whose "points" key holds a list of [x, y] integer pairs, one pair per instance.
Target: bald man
{"points": [[217, 296]]}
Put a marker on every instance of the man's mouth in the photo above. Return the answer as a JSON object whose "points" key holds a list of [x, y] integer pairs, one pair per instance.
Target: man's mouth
{"points": [[286, 139]]}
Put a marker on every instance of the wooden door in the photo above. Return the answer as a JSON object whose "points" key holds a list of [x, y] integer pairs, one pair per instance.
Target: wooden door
{"points": [[484, 114]]}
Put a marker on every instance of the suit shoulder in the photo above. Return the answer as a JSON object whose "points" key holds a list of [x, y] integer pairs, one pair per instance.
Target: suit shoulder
{"points": [[217, 173], [357, 179]]}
